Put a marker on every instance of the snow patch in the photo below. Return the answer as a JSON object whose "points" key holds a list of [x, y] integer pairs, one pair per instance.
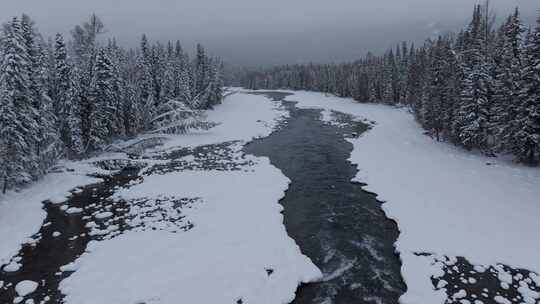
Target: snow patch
{"points": [[74, 210], [240, 117], [12, 267], [103, 215], [26, 287]]}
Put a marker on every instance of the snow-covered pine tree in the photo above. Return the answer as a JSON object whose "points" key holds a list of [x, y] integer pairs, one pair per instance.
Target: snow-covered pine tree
{"points": [[35, 98], [182, 76], [74, 143], [393, 61], [144, 78], [215, 83], [452, 72], [177, 61], [145, 48], [48, 146], [208, 81], [103, 99], [412, 77], [157, 70], [440, 91], [472, 115], [117, 125], [17, 121], [472, 118], [62, 97], [403, 68], [527, 146], [507, 83], [132, 111], [169, 82], [387, 94], [48, 48], [144, 85], [200, 72], [84, 50]]}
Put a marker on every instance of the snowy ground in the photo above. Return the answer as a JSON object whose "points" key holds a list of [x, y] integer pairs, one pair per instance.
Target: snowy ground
{"points": [[447, 202], [237, 250], [201, 224]]}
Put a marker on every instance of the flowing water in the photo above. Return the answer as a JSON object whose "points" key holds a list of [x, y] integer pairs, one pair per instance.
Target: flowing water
{"points": [[338, 225], [41, 260]]}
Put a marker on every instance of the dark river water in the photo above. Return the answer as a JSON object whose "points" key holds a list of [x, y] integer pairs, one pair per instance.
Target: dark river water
{"points": [[42, 261], [338, 225]]}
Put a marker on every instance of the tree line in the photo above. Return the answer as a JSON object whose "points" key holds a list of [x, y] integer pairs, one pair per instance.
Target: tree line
{"points": [[63, 98], [479, 88]]}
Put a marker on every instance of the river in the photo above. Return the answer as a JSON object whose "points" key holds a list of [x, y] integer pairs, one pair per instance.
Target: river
{"points": [[341, 227]]}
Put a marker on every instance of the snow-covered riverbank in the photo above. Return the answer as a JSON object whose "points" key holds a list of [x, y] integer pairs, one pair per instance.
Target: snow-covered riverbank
{"points": [[231, 246], [238, 249], [447, 202], [205, 226], [21, 213]]}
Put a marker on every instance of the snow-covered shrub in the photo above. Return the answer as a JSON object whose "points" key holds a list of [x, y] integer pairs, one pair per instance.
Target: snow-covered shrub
{"points": [[175, 117]]}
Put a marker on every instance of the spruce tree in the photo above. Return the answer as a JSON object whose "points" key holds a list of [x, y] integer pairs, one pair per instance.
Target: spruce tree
{"points": [[201, 69], [132, 111], [507, 83], [16, 112], [48, 144], [528, 137], [472, 118], [62, 87], [74, 141], [102, 102]]}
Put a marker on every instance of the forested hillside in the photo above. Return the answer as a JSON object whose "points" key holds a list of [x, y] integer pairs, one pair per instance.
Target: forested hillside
{"points": [[69, 97], [479, 88]]}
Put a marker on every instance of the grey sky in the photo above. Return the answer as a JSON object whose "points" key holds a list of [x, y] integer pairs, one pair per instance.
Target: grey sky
{"points": [[270, 31]]}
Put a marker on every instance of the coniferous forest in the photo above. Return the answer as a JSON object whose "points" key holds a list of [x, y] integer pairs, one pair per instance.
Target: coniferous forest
{"points": [[70, 96], [286, 167], [479, 88]]}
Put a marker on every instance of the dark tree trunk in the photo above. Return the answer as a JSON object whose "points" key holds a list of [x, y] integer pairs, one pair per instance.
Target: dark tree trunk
{"points": [[4, 188]]}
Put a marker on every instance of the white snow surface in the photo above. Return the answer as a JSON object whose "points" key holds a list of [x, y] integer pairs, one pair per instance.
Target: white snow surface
{"points": [[12, 267], [446, 201], [238, 247], [21, 213], [240, 117], [26, 287]]}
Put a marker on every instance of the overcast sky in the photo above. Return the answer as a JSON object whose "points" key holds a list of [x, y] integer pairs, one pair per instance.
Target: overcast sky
{"points": [[266, 32]]}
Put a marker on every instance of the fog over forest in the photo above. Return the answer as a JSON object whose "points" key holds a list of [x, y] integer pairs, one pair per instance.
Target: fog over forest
{"points": [[251, 32]]}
